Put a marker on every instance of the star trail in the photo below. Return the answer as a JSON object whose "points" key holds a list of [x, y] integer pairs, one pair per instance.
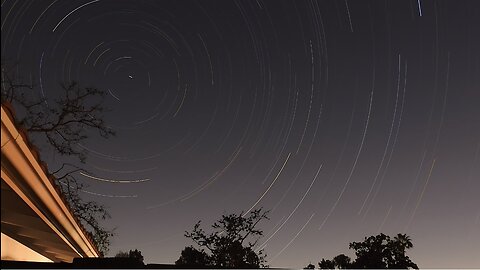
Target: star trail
{"points": [[344, 118]]}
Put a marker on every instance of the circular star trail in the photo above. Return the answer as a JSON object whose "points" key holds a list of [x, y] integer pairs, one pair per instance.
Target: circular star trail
{"points": [[344, 118]]}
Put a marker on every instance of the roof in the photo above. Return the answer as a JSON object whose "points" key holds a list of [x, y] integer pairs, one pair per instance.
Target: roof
{"points": [[34, 210]]}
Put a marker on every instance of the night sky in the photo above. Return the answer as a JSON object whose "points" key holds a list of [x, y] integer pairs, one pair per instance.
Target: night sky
{"points": [[344, 118]]}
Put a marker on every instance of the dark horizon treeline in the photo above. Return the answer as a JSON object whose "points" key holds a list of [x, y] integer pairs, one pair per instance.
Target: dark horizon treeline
{"points": [[224, 248], [374, 252]]}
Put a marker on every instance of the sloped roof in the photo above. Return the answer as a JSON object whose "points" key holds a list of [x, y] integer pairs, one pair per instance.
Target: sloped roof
{"points": [[34, 210]]}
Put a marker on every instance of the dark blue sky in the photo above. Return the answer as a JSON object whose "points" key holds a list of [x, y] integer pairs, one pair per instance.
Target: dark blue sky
{"points": [[344, 118]]}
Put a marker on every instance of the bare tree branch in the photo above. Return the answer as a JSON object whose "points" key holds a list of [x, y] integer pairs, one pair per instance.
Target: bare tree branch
{"points": [[64, 124]]}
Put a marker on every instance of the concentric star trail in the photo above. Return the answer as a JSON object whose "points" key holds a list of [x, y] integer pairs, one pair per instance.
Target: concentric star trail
{"points": [[303, 108]]}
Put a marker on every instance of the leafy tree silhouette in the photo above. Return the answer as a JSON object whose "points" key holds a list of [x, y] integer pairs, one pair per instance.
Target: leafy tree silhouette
{"points": [[342, 261], [376, 252], [193, 258], [224, 247], [121, 254], [326, 264], [136, 254]]}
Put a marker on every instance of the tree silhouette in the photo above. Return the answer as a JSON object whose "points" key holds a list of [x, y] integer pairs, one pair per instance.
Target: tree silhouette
{"points": [[342, 261], [136, 254], [382, 252], [121, 254], [377, 252], [326, 264], [373, 252], [193, 258], [309, 266], [399, 245], [403, 241], [63, 124], [224, 247]]}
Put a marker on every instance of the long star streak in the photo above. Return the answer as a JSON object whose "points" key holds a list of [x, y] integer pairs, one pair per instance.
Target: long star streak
{"points": [[420, 197], [356, 158], [113, 180], [273, 182], [293, 239], [295, 209], [86, 4], [388, 141]]}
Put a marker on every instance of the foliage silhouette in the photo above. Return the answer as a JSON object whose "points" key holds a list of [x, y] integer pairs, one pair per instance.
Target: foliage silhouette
{"points": [[64, 124], [136, 254], [193, 258], [224, 247], [376, 252], [121, 254], [326, 264], [341, 261]]}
